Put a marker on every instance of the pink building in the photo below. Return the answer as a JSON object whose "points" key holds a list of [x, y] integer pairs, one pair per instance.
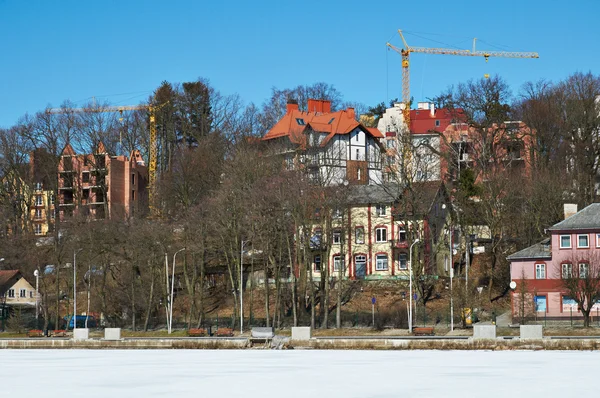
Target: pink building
{"points": [[538, 270]]}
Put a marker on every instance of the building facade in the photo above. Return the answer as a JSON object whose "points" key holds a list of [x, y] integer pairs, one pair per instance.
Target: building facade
{"points": [[538, 271], [333, 147]]}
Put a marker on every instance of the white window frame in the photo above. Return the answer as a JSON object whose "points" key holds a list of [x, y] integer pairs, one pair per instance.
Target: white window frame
{"points": [[597, 240], [39, 200], [380, 237], [338, 262], [587, 236], [11, 293], [560, 242], [362, 240], [400, 268], [380, 210], [381, 262], [402, 231], [584, 270], [31, 294], [566, 270], [38, 214], [23, 293], [336, 237], [540, 271], [37, 228]]}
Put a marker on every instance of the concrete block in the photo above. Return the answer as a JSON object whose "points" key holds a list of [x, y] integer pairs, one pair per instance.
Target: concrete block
{"points": [[112, 334], [484, 332], [263, 333], [81, 334], [531, 332], [301, 333]]}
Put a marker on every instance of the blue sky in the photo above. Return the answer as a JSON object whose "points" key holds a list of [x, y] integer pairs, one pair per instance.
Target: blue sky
{"points": [[120, 51]]}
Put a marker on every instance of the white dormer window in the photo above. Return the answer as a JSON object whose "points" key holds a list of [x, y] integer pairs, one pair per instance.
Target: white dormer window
{"points": [[565, 241], [380, 210], [583, 241]]}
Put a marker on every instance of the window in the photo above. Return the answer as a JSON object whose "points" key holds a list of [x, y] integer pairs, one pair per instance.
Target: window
{"points": [[597, 240], [31, 294], [358, 174], [391, 143], [52, 214], [381, 234], [583, 240], [337, 213], [541, 303], [85, 177], [317, 262], [357, 151], [337, 237], [11, 293], [437, 123], [37, 229], [402, 261], [300, 121], [540, 271], [38, 186], [380, 210], [584, 270], [315, 239], [381, 262], [567, 271], [569, 304], [331, 121], [359, 235], [132, 195], [565, 241], [133, 179], [38, 214], [401, 234], [338, 263], [52, 199], [23, 293], [39, 200]]}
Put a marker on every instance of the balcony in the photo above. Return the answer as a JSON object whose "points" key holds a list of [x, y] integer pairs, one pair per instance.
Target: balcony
{"points": [[399, 244]]}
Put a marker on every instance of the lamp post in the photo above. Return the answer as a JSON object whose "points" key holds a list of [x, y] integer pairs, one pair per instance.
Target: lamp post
{"points": [[410, 315], [75, 289], [242, 285], [36, 273], [173, 290], [450, 254], [168, 289]]}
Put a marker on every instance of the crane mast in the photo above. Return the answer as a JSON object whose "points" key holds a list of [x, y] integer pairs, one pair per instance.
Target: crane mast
{"points": [[405, 53]]}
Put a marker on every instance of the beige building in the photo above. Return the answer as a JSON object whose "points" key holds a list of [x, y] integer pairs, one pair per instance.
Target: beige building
{"points": [[15, 291], [370, 239]]}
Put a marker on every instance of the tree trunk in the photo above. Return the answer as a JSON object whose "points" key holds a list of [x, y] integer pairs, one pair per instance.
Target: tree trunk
{"points": [[150, 299]]}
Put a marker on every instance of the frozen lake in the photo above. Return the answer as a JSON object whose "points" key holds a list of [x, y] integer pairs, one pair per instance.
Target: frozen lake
{"points": [[249, 373]]}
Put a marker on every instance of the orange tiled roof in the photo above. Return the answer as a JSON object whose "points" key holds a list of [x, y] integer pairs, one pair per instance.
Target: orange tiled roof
{"points": [[295, 122]]}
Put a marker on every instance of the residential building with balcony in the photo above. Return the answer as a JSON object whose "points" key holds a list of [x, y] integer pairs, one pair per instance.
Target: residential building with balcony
{"points": [[101, 186], [370, 238], [332, 147]]}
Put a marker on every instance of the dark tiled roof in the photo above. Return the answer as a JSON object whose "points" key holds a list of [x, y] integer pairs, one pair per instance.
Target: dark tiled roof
{"points": [[539, 250], [365, 194], [7, 279], [588, 218]]}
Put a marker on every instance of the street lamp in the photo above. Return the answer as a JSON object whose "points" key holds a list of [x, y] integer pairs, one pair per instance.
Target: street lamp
{"points": [[242, 286], [410, 315], [36, 273], [75, 289], [173, 290]]}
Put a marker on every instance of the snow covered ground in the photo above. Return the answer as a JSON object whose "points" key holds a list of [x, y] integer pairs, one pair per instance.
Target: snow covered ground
{"points": [[258, 373]]}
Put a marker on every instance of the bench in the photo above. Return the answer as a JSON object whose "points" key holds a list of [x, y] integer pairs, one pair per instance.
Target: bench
{"points": [[35, 333], [224, 332], [423, 331], [197, 332], [57, 333]]}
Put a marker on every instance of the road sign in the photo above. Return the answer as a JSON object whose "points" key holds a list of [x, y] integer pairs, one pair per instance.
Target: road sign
{"points": [[415, 296], [373, 301]]}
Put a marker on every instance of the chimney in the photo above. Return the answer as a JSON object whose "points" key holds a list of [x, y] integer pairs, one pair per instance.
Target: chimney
{"points": [[351, 114], [570, 209], [291, 105], [319, 106], [326, 106], [432, 109]]}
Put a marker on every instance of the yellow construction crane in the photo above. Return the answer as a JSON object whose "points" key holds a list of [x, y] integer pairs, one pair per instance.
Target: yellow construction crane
{"points": [[152, 158], [405, 53]]}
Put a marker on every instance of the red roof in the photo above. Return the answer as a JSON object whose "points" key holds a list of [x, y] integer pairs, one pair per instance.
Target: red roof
{"points": [[295, 122], [8, 278], [423, 122]]}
